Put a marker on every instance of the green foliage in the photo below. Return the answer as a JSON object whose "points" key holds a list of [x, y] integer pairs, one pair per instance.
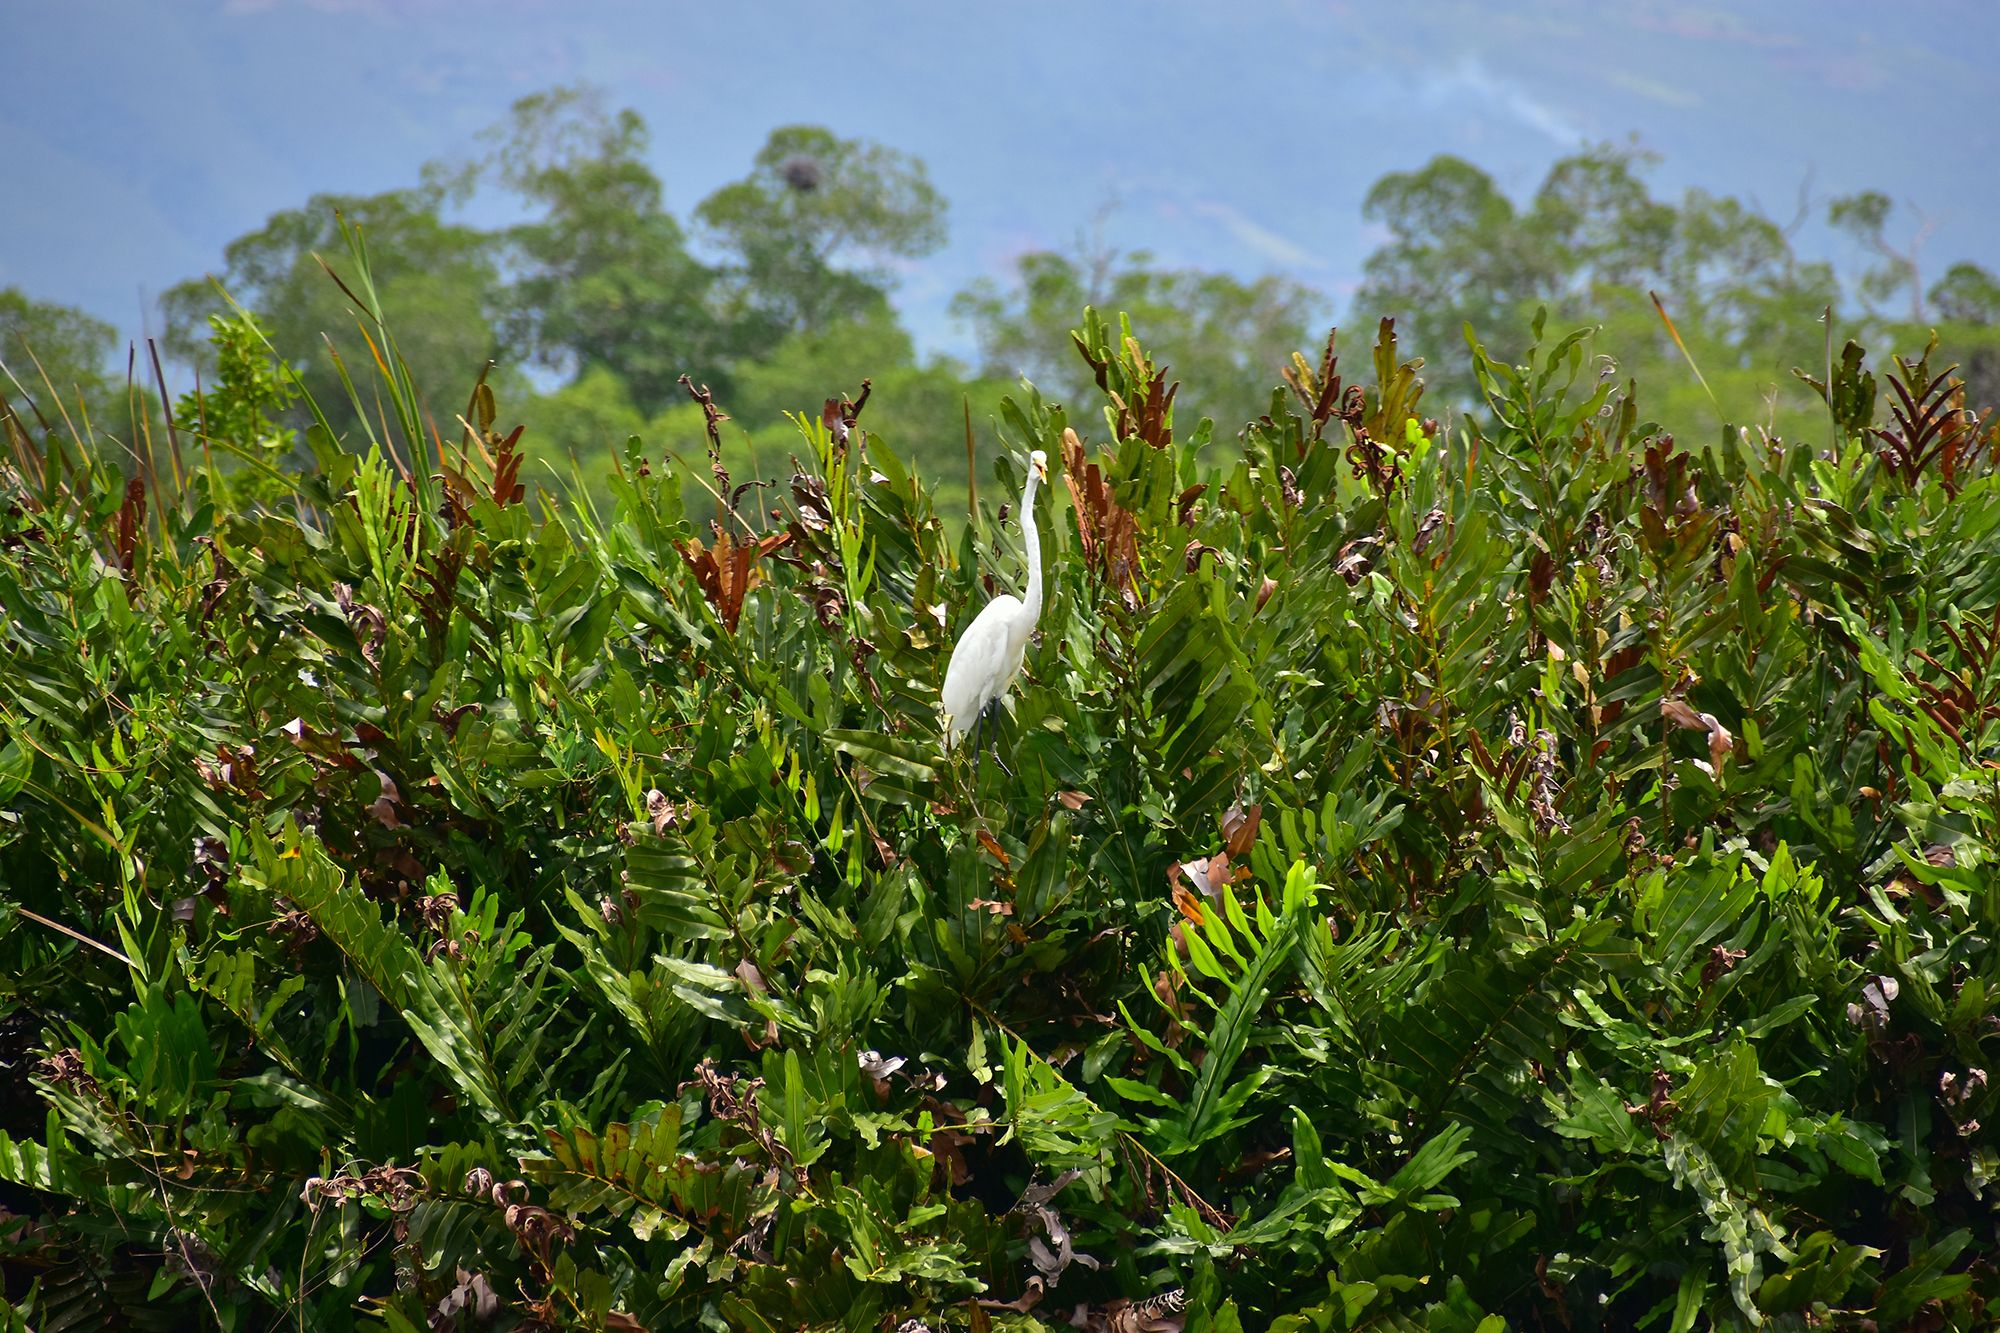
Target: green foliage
{"points": [[815, 212], [54, 358], [603, 282], [438, 279], [250, 391], [1593, 244], [1534, 873], [1222, 336], [921, 409]]}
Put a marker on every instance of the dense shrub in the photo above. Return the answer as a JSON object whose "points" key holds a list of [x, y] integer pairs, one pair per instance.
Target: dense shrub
{"points": [[1531, 871]]}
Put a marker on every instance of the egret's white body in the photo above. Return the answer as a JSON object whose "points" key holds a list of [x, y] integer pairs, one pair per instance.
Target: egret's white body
{"points": [[988, 655]]}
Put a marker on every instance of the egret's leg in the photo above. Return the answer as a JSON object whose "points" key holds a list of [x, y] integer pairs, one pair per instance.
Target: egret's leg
{"points": [[994, 743], [978, 721]]}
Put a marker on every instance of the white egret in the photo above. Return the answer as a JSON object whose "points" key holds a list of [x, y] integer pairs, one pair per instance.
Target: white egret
{"points": [[988, 655]]}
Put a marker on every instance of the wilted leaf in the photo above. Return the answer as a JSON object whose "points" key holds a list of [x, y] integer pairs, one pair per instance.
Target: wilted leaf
{"points": [[1239, 829], [727, 570], [994, 849], [1107, 531], [383, 807], [660, 811]]}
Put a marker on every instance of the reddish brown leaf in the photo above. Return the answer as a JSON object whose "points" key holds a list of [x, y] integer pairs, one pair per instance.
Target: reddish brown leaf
{"points": [[993, 848], [1288, 488], [1209, 874], [1239, 829], [131, 522], [1721, 743], [949, 1145], [726, 571], [1425, 530], [840, 414], [1353, 562], [1188, 905], [383, 807], [1185, 503], [1031, 1296], [1107, 531], [450, 721], [1682, 716], [1541, 574], [507, 468]]}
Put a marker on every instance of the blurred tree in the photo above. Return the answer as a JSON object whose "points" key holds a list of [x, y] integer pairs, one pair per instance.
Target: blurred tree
{"points": [[582, 419], [1595, 245], [1225, 337], [602, 280], [56, 359], [1735, 275], [1962, 308], [811, 229], [1967, 294], [919, 408], [1865, 217], [1598, 225], [1458, 252], [436, 280], [1966, 301], [808, 367]]}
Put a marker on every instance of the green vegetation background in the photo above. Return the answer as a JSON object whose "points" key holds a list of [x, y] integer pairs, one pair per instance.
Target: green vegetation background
{"points": [[1476, 844]]}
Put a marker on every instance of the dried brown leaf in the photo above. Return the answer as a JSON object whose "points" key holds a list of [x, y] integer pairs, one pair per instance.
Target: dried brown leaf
{"points": [[1107, 532], [994, 849], [1187, 904], [726, 571], [660, 811], [1239, 829]]}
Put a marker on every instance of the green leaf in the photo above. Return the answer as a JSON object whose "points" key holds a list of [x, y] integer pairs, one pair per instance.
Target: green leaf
{"points": [[629, 1172], [442, 1015], [1213, 1105]]}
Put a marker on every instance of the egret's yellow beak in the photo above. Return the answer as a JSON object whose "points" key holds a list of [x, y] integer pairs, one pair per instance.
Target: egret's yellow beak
{"points": [[1039, 461]]}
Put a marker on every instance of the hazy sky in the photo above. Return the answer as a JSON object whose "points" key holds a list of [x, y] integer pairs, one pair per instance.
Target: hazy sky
{"points": [[137, 137]]}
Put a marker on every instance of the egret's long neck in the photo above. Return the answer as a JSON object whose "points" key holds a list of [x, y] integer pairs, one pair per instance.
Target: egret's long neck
{"points": [[1031, 601]]}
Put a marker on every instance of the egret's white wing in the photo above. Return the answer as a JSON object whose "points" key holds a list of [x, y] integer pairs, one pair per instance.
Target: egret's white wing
{"points": [[982, 663]]}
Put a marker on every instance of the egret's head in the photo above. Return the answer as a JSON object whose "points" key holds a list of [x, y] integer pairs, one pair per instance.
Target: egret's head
{"points": [[1039, 461]]}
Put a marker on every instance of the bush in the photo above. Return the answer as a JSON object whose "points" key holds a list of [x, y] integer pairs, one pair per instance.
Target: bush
{"points": [[1536, 872]]}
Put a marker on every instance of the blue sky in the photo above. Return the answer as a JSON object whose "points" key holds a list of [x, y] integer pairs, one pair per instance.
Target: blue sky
{"points": [[139, 136]]}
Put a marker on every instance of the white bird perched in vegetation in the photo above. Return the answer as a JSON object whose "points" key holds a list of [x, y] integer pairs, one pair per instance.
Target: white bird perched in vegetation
{"points": [[988, 655]]}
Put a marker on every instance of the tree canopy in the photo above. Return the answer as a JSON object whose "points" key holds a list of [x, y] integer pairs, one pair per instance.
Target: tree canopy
{"points": [[1221, 335], [774, 291], [602, 279], [56, 358], [809, 229]]}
